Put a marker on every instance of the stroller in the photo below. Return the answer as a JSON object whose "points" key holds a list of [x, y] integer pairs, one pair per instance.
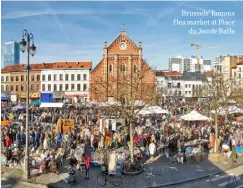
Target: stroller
{"points": [[72, 177]]}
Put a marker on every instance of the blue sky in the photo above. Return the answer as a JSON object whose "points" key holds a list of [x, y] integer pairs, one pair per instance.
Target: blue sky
{"points": [[76, 31]]}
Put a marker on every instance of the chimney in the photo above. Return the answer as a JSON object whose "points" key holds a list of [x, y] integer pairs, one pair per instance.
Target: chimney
{"points": [[105, 44], [140, 45]]}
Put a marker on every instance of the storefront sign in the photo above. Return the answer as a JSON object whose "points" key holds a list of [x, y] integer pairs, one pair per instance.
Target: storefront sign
{"points": [[31, 95], [13, 98], [75, 95], [58, 94]]}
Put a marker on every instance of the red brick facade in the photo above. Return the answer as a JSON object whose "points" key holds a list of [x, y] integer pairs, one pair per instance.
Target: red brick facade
{"points": [[122, 62]]}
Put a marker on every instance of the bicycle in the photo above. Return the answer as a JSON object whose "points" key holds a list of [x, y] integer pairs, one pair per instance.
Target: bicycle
{"points": [[104, 177], [128, 164]]}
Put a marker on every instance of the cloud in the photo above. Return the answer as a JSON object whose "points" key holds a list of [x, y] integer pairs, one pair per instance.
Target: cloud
{"points": [[31, 13]]}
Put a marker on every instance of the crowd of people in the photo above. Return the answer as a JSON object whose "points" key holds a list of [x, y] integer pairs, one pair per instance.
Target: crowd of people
{"points": [[153, 134]]}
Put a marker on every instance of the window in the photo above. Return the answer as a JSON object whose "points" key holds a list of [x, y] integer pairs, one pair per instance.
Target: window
{"points": [[60, 87], [6, 78], [189, 92], [32, 88], [49, 77], [178, 85], [32, 78], [43, 77], [2, 87], [66, 87], [22, 78], [169, 85], [78, 87], [21, 88], [85, 87], [43, 87], [38, 87], [78, 77], [134, 68], [72, 87], [49, 87], [72, 77], [110, 68], [186, 85], [61, 77], [55, 77], [2, 78], [16, 88], [7, 89], [66, 77], [38, 77], [17, 78], [11, 88], [123, 68], [55, 87], [84, 77], [189, 85], [179, 93]]}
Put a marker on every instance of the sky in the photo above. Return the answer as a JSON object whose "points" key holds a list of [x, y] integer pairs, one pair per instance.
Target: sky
{"points": [[76, 31]]}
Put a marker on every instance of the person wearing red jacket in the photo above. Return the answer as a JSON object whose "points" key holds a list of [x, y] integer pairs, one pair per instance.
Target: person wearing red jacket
{"points": [[8, 142], [87, 166]]}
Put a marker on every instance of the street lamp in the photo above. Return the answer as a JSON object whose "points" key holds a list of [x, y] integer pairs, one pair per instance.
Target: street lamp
{"points": [[31, 49]]}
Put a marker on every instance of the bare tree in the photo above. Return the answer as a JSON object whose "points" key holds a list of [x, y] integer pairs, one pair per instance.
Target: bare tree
{"points": [[127, 87]]}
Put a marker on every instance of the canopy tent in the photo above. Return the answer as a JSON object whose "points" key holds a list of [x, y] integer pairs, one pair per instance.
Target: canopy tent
{"points": [[152, 110], [19, 107], [195, 116], [139, 103], [4, 97], [5, 123], [94, 102], [230, 110], [51, 105]]}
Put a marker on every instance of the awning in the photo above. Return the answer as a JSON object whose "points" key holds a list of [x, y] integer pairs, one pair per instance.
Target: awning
{"points": [[37, 103], [4, 97], [51, 105]]}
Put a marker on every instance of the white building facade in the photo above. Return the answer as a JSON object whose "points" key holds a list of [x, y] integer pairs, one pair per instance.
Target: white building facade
{"points": [[181, 86], [238, 74], [73, 83]]}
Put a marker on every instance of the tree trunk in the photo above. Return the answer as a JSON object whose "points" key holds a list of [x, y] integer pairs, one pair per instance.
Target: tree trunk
{"points": [[216, 133], [131, 140]]}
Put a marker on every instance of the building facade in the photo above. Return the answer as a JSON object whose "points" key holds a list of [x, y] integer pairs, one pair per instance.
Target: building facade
{"points": [[11, 53], [176, 86], [118, 72], [237, 74], [181, 64], [15, 81], [67, 80]]}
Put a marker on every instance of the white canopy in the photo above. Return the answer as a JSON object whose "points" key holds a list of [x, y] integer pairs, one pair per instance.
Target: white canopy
{"points": [[152, 110], [51, 105], [229, 110], [195, 116], [139, 103]]}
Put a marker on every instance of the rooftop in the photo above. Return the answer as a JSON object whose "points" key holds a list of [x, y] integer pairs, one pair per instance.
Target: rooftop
{"points": [[55, 65], [194, 76]]}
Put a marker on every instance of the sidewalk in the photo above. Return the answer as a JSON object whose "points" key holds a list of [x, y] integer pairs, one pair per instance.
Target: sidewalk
{"points": [[163, 174]]}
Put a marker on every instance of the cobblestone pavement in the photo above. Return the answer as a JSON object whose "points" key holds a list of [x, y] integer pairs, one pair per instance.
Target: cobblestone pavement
{"points": [[157, 173]]}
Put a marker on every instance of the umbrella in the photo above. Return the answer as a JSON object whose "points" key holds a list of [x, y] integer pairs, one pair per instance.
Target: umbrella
{"points": [[19, 107], [5, 123]]}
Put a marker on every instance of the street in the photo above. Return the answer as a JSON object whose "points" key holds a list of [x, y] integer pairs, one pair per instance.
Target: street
{"points": [[231, 179]]}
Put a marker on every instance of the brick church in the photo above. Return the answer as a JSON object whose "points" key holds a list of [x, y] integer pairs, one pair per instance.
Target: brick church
{"points": [[122, 72]]}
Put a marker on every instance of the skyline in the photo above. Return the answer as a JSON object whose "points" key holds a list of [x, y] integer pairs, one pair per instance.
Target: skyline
{"points": [[79, 32]]}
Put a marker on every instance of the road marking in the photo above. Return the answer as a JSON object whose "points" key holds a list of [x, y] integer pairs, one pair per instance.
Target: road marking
{"points": [[220, 177], [231, 181], [6, 186], [239, 186]]}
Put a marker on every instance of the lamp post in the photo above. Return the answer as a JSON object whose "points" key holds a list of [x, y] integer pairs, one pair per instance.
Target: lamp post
{"points": [[31, 49]]}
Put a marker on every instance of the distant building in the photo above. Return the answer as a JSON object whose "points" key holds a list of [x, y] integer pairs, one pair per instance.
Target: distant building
{"points": [[11, 53], [181, 64], [225, 64], [237, 74], [176, 86]]}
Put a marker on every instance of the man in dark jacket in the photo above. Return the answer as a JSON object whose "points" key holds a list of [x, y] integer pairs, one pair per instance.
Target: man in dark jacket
{"points": [[37, 139]]}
